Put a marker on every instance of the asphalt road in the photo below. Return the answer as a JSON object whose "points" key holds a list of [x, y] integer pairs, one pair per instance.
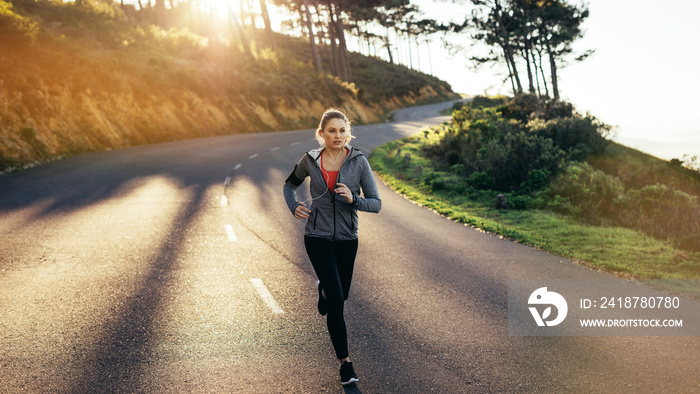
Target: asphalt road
{"points": [[124, 271]]}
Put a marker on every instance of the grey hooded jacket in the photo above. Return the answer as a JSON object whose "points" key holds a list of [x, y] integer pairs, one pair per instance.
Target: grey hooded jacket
{"points": [[332, 217]]}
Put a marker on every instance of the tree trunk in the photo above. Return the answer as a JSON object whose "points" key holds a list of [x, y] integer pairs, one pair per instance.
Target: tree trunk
{"points": [[510, 73], [507, 50], [344, 61], [544, 77], [553, 70], [531, 82], [388, 46], [418, 53], [430, 60], [160, 13], [233, 19], [410, 53], [242, 13], [312, 38], [332, 33], [250, 14], [398, 47], [268, 27], [537, 74]]}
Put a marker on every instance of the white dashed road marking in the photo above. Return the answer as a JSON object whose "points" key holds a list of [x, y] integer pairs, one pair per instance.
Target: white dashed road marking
{"points": [[295, 143], [266, 296], [237, 166], [254, 156], [231, 235], [274, 149]]}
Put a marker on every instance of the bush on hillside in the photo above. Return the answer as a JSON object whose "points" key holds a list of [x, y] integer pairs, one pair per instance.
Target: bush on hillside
{"points": [[657, 210], [525, 107], [481, 102], [15, 28], [508, 149], [586, 192], [663, 212], [578, 136], [535, 151]]}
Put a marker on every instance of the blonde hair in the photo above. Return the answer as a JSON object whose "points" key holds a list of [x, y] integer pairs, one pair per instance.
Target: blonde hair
{"points": [[334, 113]]}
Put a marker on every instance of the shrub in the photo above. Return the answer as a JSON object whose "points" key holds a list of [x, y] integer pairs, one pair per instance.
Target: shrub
{"points": [[519, 202], [489, 156], [657, 210], [488, 101], [521, 107], [526, 152], [458, 169], [483, 142], [584, 191], [556, 109], [663, 212], [457, 105], [576, 135], [525, 107], [448, 182], [536, 180], [15, 28], [480, 180]]}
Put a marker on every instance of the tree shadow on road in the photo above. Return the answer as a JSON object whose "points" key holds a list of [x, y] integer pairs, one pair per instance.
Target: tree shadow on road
{"points": [[351, 389], [117, 364]]}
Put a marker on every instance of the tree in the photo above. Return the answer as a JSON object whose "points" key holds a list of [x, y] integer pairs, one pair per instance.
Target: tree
{"points": [[338, 14], [524, 30], [268, 27], [312, 37], [233, 19], [498, 27], [559, 24]]}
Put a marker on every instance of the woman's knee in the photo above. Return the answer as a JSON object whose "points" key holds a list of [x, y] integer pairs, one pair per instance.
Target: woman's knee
{"points": [[335, 302]]}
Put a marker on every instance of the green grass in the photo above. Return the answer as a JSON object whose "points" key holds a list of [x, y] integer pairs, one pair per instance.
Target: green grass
{"points": [[623, 252]]}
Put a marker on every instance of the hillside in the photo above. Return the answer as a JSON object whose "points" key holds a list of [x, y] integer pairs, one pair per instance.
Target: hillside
{"points": [[76, 79], [538, 172]]}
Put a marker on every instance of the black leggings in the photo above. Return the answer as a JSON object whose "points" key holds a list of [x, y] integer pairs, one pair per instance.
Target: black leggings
{"points": [[333, 262]]}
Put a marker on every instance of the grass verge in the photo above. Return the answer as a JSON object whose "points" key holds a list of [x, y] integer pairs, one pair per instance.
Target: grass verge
{"points": [[623, 252]]}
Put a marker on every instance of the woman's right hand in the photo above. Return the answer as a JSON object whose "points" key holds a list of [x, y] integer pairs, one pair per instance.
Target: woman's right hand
{"points": [[301, 211]]}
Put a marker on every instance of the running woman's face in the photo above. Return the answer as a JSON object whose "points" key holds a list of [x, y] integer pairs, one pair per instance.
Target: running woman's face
{"points": [[335, 135]]}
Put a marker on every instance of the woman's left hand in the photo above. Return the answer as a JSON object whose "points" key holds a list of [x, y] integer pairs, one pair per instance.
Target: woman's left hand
{"points": [[344, 191]]}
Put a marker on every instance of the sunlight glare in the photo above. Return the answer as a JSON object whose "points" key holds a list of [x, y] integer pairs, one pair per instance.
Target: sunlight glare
{"points": [[220, 8]]}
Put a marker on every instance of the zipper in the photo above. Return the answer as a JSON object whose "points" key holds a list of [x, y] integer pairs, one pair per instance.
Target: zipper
{"points": [[333, 199], [337, 180]]}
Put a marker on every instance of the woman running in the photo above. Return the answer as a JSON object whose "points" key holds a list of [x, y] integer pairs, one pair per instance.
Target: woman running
{"points": [[338, 173]]}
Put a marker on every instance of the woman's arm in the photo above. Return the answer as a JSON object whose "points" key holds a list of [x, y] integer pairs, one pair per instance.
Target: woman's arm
{"points": [[294, 180], [371, 201]]}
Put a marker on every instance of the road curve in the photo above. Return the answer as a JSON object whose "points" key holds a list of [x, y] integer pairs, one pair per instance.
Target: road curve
{"points": [[177, 267]]}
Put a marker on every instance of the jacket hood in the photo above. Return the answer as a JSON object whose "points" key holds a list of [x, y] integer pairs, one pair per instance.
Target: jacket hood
{"points": [[316, 153]]}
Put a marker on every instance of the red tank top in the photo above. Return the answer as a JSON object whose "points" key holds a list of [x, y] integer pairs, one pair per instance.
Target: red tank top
{"points": [[330, 176]]}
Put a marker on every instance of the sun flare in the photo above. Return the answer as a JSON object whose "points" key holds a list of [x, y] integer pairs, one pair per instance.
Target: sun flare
{"points": [[222, 8]]}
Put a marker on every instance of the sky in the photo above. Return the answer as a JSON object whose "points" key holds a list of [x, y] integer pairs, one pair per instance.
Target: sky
{"points": [[643, 78]]}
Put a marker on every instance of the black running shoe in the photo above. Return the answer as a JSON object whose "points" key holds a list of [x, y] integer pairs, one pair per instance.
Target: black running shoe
{"points": [[322, 305], [347, 374]]}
